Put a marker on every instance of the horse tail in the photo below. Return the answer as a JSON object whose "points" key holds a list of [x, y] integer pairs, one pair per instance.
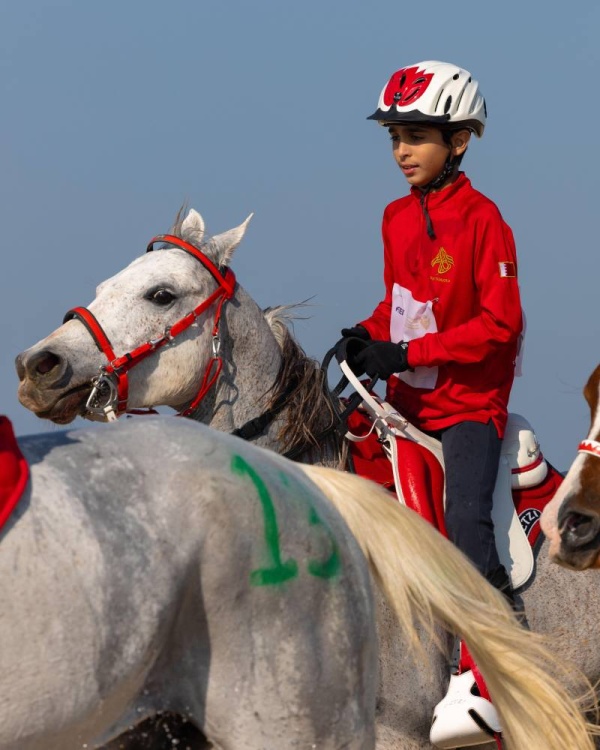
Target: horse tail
{"points": [[427, 580]]}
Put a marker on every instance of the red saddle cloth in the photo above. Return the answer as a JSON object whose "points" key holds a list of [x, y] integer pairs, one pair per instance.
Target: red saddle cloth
{"points": [[421, 474], [14, 471], [422, 478]]}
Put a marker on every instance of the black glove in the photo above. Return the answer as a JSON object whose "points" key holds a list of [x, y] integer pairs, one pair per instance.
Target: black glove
{"points": [[381, 358], [358, 332]]}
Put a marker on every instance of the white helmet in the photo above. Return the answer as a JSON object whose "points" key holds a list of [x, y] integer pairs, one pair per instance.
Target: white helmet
{"points": [[432, 92]]}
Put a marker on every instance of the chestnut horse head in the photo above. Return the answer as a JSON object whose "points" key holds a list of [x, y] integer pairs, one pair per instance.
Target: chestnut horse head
{"points": [[572, 520]]}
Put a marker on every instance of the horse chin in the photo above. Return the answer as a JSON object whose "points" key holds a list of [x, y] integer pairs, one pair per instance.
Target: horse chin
{"points": [[64, 410], [584, 559]]}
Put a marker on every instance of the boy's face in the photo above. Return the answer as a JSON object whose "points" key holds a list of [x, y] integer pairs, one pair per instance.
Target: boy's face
{"points": [[421, 152]]}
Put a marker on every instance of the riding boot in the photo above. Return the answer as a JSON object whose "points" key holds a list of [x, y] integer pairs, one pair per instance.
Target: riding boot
{"points": [[500, 580]]}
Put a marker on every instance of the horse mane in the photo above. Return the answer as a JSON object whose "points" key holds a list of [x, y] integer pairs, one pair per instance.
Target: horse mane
{"points": [[301, 385]]}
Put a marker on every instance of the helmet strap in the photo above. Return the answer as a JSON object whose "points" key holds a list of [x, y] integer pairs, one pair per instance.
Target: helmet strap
{"points": [[447, 171], [450, 166]]}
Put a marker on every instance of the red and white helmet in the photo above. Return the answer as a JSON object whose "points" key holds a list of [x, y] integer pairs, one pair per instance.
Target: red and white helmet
{"points": [[432, 92]]}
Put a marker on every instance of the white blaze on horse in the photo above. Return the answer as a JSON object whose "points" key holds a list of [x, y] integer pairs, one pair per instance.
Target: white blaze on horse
{"points": [[175, 329], [159, 565], [572, 521]]}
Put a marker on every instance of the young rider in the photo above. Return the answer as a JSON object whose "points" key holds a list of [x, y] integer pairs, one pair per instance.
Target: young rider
{"points": [[446, 333]]}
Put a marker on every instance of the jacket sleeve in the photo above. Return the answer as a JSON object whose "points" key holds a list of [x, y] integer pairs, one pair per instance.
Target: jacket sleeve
{"points": [[499, 319], [378, 323]]}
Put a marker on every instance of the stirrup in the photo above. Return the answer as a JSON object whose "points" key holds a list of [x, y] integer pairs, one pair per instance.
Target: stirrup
{"points": [[463, 718]]}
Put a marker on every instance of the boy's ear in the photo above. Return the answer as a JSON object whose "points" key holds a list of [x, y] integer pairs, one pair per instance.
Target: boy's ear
{"points": [[459, 141]]}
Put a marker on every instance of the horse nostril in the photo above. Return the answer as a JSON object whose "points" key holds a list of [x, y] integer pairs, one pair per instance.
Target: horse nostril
{"points": [[577, 529], [39, 365], [48, 363]]}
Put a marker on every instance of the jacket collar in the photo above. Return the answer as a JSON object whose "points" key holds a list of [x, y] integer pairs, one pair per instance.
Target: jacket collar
{"points": [[441, 196]]}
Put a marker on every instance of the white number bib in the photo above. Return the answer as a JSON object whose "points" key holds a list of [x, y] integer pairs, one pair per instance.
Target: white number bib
{"points": [[412, 319]]}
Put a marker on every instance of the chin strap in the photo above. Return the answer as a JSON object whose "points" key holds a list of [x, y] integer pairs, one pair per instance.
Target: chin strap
{"points": [[448, 170]]}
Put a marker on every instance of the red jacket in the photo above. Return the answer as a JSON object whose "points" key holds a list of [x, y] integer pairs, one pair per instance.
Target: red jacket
{"points": [[456, 299]]}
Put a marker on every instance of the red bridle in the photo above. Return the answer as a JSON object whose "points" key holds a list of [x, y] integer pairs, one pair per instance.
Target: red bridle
{"points": [[108, 399]]}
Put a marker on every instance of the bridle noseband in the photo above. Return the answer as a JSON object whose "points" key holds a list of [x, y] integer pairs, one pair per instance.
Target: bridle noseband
{"points": [[110, 391], [589, 446]]}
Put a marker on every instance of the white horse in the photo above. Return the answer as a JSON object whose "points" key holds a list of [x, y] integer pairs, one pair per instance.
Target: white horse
{"points": [[174, 329], [158, 565], [572, 520]]}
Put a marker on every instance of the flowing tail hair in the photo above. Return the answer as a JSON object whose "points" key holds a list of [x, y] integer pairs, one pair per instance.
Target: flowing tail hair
{"points": [[427, 580]]}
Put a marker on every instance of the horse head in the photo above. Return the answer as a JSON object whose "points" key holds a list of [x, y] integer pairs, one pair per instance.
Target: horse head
{"points": [[135, 313], [572, 520]]}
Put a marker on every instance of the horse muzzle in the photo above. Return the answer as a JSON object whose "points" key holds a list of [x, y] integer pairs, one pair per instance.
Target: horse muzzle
{"points": [[579, 531], [46, 386]]}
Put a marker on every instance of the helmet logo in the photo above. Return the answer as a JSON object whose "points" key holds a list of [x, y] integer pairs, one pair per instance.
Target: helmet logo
{"points": [[406, 86]]}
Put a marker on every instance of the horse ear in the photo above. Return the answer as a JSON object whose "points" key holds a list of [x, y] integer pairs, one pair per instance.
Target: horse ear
{"points": [[223, 245], [192, 227]]}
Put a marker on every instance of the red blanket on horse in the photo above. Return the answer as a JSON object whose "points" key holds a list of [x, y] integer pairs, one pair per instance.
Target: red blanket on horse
{"points": [[14, 472]]}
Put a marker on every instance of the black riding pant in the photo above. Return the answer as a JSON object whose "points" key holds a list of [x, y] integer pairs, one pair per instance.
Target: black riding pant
{"points": [[471, 457]]}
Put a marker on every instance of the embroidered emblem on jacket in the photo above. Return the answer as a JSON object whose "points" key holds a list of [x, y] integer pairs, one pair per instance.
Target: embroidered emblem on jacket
{"points": [[443, 261], [507, 269]]}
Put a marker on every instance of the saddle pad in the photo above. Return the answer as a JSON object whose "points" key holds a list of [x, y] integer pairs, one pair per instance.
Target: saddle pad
{"points": [[531, 501], [14, 471]]}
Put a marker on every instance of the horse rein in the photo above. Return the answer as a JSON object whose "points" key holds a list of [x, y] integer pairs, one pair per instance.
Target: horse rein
{"points": [[110, 389]]}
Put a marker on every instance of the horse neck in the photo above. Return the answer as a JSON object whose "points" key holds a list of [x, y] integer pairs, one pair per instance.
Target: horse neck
{"points": [[252, 361]]}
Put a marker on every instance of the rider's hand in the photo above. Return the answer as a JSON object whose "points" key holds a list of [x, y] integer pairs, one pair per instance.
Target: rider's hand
{"points": [[352, 340], [381, 358], [357, 332]]}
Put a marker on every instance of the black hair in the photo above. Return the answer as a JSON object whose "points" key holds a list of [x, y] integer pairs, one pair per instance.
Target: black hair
{"points": [[447, 138]]}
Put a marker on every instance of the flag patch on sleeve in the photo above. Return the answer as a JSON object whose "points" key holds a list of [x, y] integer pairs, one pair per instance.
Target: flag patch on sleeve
{"points": [[507, 269]]}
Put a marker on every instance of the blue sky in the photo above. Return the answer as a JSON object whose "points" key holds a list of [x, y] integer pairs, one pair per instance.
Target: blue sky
{"points": [[115, 113]]}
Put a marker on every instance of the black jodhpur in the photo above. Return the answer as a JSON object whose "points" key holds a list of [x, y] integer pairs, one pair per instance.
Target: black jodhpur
{"points": [[471, 456]]}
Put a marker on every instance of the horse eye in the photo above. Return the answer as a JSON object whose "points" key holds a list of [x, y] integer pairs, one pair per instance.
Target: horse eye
{"points": [[161, 297]]}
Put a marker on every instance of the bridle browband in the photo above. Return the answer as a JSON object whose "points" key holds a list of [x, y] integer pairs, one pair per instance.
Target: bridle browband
{"points": [[108, 399]]}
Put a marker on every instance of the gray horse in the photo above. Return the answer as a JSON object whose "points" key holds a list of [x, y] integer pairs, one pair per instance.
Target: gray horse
{"points": [[239, 370], [138, 574], [160, 566]]}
